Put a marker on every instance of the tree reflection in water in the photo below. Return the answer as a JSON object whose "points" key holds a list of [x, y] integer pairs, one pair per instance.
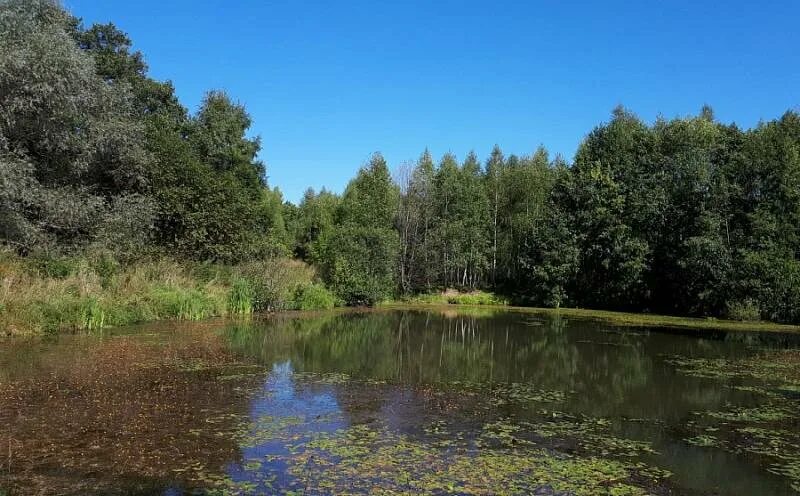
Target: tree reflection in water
{"points": [[411, 401]]}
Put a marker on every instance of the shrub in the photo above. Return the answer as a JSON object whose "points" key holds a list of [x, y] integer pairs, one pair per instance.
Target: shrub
{"points": [[744, 310], [358, 263], [275, 282], [55, 268], [106, 266], [453, 297], [314, 297]]}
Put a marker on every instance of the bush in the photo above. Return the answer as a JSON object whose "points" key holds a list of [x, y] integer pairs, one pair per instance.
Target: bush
{"points": [[274, 283], [745, 310], [314, 297], [476, 298], [453, 297], [106, 266], [770, 281], [56, 268], [358, 264]]}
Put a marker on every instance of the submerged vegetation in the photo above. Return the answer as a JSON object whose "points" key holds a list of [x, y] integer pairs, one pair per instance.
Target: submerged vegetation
{"points": [[399, 402], [295, 438], [758, 430]]}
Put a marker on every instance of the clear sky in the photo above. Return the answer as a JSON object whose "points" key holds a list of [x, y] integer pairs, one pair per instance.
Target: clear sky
{"points": [[327, 83]]}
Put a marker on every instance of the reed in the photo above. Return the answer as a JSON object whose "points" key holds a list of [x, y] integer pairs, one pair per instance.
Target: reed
{"points": [[48, 295]]}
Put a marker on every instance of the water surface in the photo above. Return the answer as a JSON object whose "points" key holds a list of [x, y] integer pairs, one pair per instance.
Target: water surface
{"points": [[400, 402]]}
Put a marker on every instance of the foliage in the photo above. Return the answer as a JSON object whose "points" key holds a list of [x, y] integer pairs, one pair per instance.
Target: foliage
{"points": [[43, 295], [358, 255], [70, 150], [278, 284], [311, 222], [452, 297], [358, 264], [685, 216], [746, 310], [314, 297]]}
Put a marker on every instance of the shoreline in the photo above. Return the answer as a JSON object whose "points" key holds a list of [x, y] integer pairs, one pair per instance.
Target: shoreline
{"points": [[624, 319], [618, 318]]}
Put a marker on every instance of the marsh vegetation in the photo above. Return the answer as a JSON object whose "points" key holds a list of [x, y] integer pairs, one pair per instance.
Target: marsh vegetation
{"points": [[401, 401]]}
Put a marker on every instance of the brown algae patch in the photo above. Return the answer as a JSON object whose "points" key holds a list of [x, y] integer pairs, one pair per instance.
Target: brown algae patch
{"points": [[111, 416], [131, 415]]}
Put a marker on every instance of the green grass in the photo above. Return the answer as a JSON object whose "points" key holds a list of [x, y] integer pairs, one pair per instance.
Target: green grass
{"points": [[652, 320], [93, 315], [186, 303]]}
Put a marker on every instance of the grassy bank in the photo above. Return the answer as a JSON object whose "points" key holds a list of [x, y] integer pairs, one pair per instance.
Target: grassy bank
{"points": [[48, 295], [451, 299]]}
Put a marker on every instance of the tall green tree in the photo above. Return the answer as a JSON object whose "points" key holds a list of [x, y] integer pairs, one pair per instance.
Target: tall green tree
{"points": [[414, 224], [613, 260], [313, 221], [71, 160], [360, 253], [495, 167], [210, 186]]}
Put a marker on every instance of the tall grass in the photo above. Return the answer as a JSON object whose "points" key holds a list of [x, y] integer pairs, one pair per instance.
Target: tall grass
{"points": [[240, 300], [47, 295], [93, 315]]}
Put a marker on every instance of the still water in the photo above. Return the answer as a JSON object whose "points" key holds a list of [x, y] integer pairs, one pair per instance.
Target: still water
{"points": [[401, 402]]}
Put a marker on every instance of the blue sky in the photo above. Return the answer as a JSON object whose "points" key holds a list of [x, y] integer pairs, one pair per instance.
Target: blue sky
{"points": [[328, 83]]}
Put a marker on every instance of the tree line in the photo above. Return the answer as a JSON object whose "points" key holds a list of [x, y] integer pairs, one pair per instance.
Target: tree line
{"points": [[685, 216]]}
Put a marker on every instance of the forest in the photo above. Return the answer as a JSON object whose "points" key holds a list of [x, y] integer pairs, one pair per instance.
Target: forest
{"points": [[103, 170]]}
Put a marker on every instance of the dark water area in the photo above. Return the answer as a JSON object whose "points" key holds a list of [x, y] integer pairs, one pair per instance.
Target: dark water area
{"points": [[401, 402]]}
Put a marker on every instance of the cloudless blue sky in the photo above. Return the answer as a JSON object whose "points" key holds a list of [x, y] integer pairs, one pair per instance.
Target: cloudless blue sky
{"points": [[327, 83]]}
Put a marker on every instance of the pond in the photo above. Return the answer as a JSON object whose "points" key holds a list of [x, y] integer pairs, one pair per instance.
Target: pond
{"points": [[460, 401]]}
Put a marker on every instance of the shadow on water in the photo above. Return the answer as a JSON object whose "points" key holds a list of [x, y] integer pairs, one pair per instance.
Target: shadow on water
{"points": [[407, 401]]}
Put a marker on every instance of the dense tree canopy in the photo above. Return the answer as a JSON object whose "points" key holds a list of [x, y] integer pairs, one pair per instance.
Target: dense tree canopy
{"points": [[71, 159], [687, 216], [358, 254]]}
